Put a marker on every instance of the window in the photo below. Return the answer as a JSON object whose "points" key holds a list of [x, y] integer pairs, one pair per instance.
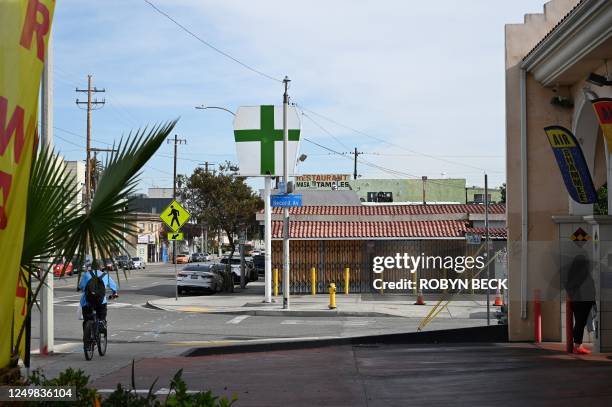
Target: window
{"points": [[380, 196], [479, 198]]}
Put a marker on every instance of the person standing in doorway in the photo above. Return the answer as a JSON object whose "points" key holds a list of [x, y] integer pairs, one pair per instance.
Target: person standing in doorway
{"points": [[580, 288]]}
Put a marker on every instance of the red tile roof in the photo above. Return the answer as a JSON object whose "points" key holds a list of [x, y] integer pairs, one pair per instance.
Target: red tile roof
{"points": [[386, 210], [373, 230]]}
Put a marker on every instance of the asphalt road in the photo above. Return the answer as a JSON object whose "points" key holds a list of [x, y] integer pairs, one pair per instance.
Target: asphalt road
{"points": [[136, 331]]}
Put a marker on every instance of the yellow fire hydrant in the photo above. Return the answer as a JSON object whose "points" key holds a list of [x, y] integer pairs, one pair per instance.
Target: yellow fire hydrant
{"points": [[332, 296]]}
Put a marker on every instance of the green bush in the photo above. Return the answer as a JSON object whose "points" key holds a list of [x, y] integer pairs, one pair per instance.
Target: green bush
{"points": [[68, 378], [122, 397]]}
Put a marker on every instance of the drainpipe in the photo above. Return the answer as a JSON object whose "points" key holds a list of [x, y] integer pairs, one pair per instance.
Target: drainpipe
{"points": [[524, 191]]}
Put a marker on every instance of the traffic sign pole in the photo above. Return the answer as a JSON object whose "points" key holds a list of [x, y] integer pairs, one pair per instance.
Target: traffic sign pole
{"points": [[268, 240], [175, 271], [286, 284]]}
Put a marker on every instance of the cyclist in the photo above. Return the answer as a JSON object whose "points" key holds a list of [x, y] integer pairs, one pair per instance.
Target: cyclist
{"points": [[94, 294]]}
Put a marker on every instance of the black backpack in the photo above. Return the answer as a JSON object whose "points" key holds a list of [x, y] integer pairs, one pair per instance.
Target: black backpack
{"points": [[95, 290]]}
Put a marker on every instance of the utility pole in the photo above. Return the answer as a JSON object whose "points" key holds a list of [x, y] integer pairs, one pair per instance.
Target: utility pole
{"points": [[91, 105], [286, 285], [95, 152], [356, 154], [487, 251], [176, 142], [424, 178], [206, 164]]}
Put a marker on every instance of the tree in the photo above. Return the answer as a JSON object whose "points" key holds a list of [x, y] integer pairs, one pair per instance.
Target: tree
{"points": [[224, 202], [502, 189]]}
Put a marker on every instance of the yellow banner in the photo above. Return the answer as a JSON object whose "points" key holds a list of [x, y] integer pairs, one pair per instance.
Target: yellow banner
{"points": [[20, 312], [24, 32], [603, 110]]}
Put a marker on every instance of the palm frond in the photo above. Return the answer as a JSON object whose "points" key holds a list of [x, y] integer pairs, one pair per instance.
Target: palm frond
{"points": [[52, 197], [105, 228]]}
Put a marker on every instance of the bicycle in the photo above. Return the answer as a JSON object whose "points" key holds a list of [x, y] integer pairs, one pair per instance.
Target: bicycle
{"points": [[95, 334]]}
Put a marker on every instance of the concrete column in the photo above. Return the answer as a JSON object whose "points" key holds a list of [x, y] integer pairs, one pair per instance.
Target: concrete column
{"points": [[602, 275]]}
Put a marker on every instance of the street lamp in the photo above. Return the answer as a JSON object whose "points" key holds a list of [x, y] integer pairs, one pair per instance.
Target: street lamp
{"points": [[202, 107]]}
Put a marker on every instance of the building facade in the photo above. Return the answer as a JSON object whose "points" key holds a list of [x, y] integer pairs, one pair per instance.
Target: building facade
{"points": [[430, 190], [549, 58], [332, 238]]}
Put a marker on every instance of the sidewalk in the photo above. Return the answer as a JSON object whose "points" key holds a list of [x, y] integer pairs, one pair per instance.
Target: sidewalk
{"points": [[250, 302]]}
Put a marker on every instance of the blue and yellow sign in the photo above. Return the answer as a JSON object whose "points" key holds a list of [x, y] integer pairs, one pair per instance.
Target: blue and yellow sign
{"points": [[572, 164]]}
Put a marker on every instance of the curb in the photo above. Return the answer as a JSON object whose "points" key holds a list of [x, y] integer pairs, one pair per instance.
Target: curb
{"points": [[472, 335], [281, 313]]}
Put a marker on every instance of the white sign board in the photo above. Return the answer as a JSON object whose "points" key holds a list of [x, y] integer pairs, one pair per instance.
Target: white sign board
{"points": [[258, 132]]}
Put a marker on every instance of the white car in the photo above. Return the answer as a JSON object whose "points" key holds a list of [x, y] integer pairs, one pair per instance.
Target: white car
{"points": [[199, 277], [250, 272], [139, 263]]}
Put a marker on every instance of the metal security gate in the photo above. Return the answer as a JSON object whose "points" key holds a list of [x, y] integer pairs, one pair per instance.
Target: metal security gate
{"points": [[331, 257]]}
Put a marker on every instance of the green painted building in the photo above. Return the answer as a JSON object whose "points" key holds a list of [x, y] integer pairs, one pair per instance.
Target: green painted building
{"points": [[476, 195], [449, 190]]}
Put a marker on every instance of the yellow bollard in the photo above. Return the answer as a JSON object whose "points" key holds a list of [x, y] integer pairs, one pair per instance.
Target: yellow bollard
{"points": [[313, 281], [275, 282], [347, 277], [332, 296]]}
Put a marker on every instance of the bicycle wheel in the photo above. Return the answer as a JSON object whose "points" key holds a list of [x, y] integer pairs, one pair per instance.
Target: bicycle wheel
{"points": [[101, 339], [88, 340]]}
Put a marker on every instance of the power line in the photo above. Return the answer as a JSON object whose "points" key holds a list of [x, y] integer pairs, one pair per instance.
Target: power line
{"points": [[325, 131], [103, 142], [390, 171], [211, 46], [387, 142]]}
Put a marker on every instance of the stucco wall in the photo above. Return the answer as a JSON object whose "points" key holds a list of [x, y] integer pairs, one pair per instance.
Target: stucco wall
{"points": [[411, 190], [546, 196]]}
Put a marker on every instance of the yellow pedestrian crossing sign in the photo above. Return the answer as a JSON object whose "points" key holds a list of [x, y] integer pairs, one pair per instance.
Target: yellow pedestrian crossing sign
{"points": [[175, 236], [175, 216]]}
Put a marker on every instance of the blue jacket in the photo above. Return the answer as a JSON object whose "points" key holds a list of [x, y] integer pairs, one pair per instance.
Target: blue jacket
{"points": [[108, 283]]}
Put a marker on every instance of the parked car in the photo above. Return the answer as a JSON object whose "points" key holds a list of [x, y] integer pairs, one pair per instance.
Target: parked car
{"points": [[60, 268], [249, 271], [199, 277], [138, 263], [182, 258], [259, 262], [124, 262], [200, 257]]}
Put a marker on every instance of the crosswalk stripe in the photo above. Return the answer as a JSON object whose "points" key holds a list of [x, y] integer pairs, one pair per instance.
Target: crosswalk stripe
{"points": [[238, 319], [324, 323]]}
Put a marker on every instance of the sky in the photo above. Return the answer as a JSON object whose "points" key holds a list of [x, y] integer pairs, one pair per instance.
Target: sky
{"points": [[417, 86]]}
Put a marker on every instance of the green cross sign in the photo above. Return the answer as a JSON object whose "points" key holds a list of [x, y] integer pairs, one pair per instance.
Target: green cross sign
{"points": [[267, 135]]}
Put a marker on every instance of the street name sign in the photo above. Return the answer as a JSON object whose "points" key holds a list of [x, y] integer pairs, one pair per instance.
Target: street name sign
{"points": [[258, 132], [473, 238], [175, 216], [175, 236], [285, 200]]}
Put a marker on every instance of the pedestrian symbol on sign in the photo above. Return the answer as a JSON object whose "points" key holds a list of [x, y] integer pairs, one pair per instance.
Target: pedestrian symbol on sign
{"points": [[174, 213], [175, 216]]}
